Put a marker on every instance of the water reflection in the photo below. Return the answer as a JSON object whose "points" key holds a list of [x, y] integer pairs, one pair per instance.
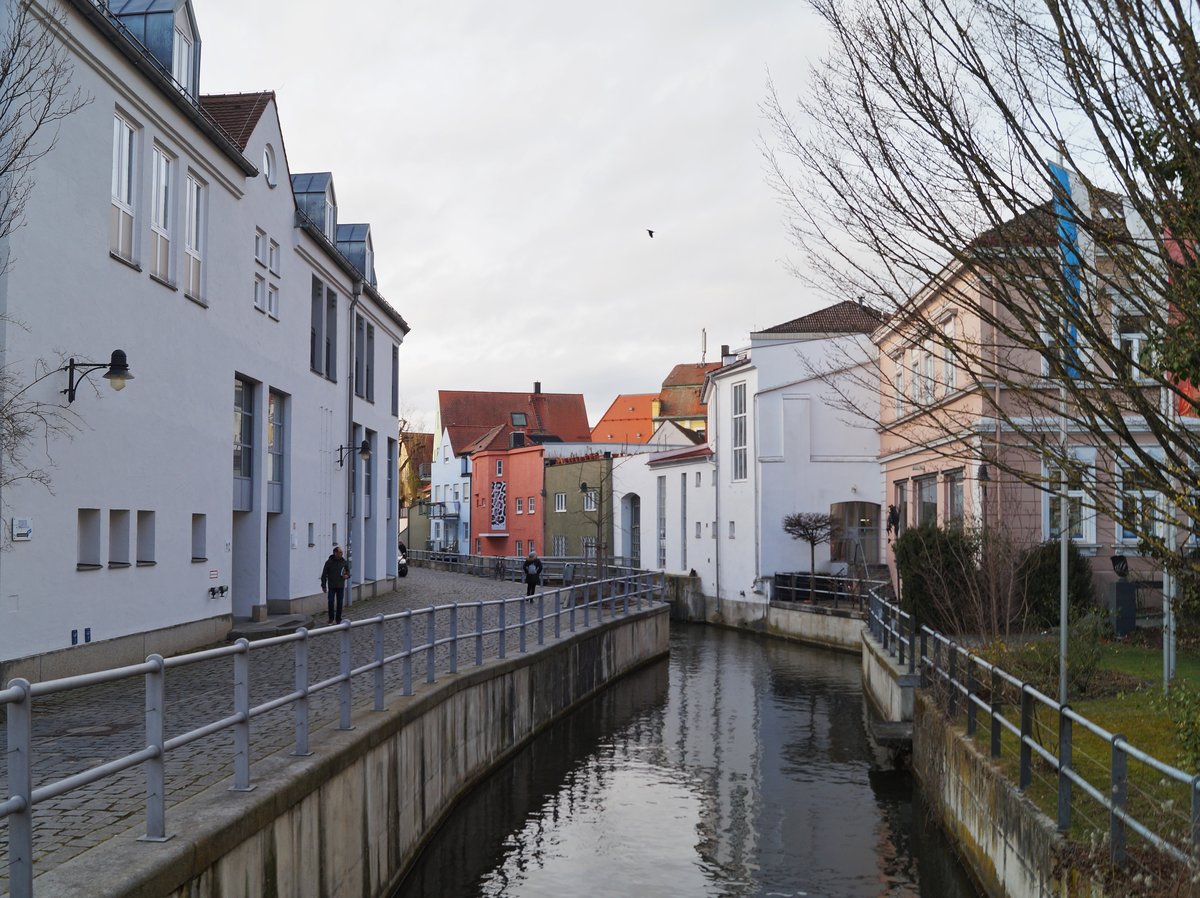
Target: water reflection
{"points": [[739, 768]]}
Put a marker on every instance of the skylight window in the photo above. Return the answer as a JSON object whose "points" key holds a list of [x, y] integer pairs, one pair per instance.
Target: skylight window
{"points": [[518, 419]]}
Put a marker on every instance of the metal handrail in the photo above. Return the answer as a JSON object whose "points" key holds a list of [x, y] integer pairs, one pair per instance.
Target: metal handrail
{"points": [[895, 630], [618, 595]]}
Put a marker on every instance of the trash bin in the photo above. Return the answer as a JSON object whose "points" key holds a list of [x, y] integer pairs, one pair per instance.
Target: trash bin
{"points": [[1124, 607]]}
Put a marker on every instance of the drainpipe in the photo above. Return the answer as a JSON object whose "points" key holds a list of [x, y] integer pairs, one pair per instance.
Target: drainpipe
{"points": [[715, 417], [757, 583], [352, 468]]}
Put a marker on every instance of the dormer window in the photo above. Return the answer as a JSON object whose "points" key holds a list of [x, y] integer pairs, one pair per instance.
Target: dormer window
{"points": [[518, 419], [181, 64], [330, 214], [369, 267]]}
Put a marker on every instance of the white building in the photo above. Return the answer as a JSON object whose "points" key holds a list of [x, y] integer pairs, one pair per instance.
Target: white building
{"points": [[165, 224]]}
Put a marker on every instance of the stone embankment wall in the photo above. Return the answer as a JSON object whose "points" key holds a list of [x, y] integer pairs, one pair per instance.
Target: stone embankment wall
{"points": [[348, 821], [831, 628]]}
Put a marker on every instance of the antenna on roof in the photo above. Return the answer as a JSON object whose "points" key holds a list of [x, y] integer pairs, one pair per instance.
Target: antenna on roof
{"points": [[703, 344]]}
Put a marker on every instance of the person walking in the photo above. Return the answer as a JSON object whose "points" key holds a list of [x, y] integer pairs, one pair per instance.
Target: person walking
{"points": [[533, 574], [333, 583]]}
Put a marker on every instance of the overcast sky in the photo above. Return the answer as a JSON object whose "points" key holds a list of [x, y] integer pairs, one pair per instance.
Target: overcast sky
{"points": [[510, 156]]}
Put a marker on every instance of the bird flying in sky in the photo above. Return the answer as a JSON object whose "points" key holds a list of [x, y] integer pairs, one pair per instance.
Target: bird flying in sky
{"points": [[650, 232]]}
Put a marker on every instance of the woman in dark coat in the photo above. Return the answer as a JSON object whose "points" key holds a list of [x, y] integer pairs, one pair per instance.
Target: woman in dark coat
{"points": [[533, 574]]}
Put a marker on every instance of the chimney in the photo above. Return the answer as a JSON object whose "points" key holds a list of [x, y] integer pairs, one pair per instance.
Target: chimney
{"points": [[537, 387], [727, 358]]}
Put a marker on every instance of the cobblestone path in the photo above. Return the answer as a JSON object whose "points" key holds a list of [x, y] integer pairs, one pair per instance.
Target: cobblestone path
{"points": [[77, 730]]}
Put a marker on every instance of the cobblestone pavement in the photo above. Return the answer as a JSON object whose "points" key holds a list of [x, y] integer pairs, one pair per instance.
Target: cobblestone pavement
{"points": [[77, 730]]}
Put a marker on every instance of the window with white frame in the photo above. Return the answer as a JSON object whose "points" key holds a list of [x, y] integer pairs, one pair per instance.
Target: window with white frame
{"points": [[1081, 520], [275, 436], [124, 170], [926, 501], [530, 505], [193, 244], [949, 370], [273, 301], [560, 502], [901, 495], [588, 544], [927, 372], [697, 478], [590, 500], [520, 548], [499, 467], [560, 546], [273, 256], [914, 378], [160, 215], [260, 293], [661, 529], [740, 467], [733, 529], [954, 497], [1133, 336], [260, 247], [181, 62], [898, 362], [269, 170], [520, 508], [1140, 506]]}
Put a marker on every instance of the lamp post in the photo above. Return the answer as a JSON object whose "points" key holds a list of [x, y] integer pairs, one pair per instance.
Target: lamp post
{"points": [[116, 375], [364, 452]]}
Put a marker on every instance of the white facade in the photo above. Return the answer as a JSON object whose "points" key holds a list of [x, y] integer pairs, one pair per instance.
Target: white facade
{"points": [[147, 528], [450, 495]]}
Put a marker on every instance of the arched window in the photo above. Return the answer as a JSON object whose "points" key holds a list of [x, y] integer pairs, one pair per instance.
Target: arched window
{"points": [[269, 171]]}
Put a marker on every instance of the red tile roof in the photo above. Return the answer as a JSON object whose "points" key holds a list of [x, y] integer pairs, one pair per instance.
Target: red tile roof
{"points": [[628, 420], [468, 415], [680, 397], [846, 317], [689, 374], [237, 114]]}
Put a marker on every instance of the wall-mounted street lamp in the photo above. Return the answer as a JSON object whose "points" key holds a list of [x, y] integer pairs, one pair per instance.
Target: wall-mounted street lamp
{"points": [[364, 452], [116, 375]]}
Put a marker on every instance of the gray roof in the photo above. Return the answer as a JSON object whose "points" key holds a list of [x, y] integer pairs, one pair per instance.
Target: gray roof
{"points": [[347, 233], [128, 7], [311, 182]]}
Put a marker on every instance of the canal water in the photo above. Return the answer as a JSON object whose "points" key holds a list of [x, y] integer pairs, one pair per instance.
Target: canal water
{"points": [[740, 767]]}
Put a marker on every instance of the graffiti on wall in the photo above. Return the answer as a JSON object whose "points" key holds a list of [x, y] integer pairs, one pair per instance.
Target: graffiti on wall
{"points": [[499, 502]]}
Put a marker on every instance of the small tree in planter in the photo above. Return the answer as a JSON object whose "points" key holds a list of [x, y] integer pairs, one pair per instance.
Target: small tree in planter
{"points": [[813, 528]]}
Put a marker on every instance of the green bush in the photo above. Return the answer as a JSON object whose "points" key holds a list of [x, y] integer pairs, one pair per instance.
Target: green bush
{"points": [[1038, 576], [1183, 707], [1187, 606], [937, 568]]}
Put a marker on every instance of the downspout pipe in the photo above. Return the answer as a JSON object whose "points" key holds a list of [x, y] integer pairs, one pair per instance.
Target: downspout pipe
{"points": [[352, 468]]}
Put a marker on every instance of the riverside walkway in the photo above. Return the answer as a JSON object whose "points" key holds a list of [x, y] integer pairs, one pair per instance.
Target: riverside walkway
{"points": [[82, 728]]}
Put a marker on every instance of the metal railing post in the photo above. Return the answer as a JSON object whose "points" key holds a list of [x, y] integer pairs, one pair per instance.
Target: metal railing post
{"points": [[406, 666], [541, 631], [20, 785], [1118, 795], [378, 628], [558, 609], [571, 607], [625, 596], [521, 629], [479, 634], [587, 607], [900, 639], [430, 645], [997, 704], [454, 638], [912, 643], [952, 698], [503, 627], [1064, 764], [344, 690], [241, 708], [1196, 815], [969, 672], [1026, 765], [300, 682], [156, 786]]}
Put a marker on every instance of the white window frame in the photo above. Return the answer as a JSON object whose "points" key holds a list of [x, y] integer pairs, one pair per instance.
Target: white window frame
{"points": [[1083, 459], [928, 375], [499, 467], [1133, 343], [273, 255], [273, 301], [1151, 496], [520, 505], [560, 546], [739, 431], [260, 293], [898, 361], [123, 224], [181, 60], [193, 245], [530, 505], [162, 195], [260, 247], [560, 502], [590, 500], [949, 369]]}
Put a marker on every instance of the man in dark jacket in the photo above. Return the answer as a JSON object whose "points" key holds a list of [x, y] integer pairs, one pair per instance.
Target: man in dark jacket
{"points": [[533, 574], [333, 582]]}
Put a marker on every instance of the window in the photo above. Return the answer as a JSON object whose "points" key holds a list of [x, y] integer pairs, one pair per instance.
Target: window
{"points": [[273, 257], [697, 530], [661, 522], [560, 502], [901, 489], [269, 171], [683, 480], [260, 293], [898, 361], [120, 231], [193, 245], [927, 372], [330, 215], [312, 533], [118, 538], [560, 546], [243, 428], [200, 537], [1140, 505], [160, 217], [331, 316], [181, 62], [531, 505], [370, 363], [520, 509], [364, 359], [323, 330], [739, 431], [949, 370], [499, 467], [520, 548], [1132, 334], [926, 501], [89, 538], [369, 474], [518, 419], [733, 530], [954, 497], [590, 500], [697, 478], [588, 544], [145, 537], [273, 301], [260, 247], [914, 378], [714, 529], [275, 435]]}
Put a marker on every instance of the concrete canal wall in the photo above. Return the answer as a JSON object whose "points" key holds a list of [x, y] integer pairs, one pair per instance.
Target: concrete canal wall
{"points": [[348, 821], [830, 628]]}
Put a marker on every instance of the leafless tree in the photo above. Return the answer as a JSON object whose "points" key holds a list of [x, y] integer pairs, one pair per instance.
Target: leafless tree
{"points": [[36, 95], [814, 528], [916, 166]]}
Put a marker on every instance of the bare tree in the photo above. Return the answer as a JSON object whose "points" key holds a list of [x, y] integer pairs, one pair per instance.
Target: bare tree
{"points": [[36, 95], [915, 175], [814, 528]]}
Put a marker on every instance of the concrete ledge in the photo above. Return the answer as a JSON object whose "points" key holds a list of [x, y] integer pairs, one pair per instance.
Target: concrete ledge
{"points": [[350, 819], [889, 686]]}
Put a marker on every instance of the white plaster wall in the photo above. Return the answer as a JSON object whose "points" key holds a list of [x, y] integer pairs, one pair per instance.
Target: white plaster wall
{"points": [[163, 444]]}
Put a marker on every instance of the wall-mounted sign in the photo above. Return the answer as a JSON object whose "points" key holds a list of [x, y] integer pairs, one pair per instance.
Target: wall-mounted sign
{"points": [[22, 528]]}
